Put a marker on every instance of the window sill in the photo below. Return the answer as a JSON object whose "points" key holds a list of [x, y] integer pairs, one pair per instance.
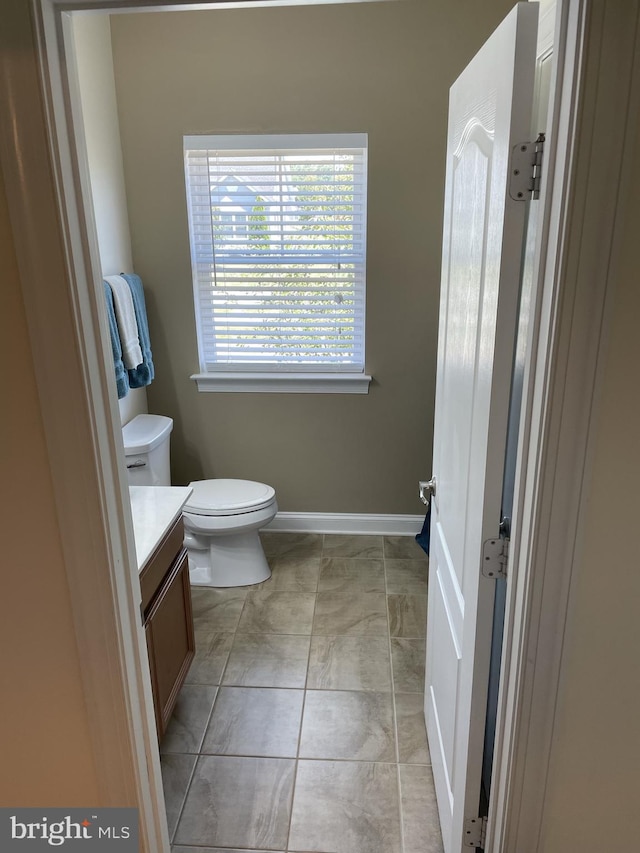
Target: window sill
{"points": [[284, 383]]}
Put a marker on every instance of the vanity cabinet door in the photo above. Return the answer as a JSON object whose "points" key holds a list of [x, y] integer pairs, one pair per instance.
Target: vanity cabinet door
{"points": [[170, 639]]}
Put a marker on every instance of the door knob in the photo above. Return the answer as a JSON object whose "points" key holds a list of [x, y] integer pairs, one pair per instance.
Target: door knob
{"points": [[426, 490]]}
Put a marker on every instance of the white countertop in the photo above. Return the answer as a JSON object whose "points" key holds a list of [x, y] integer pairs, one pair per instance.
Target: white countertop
{"points": [[154, 509]]}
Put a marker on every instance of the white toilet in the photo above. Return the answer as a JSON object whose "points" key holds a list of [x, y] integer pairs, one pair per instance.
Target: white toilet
{"points": [[221, 518]]}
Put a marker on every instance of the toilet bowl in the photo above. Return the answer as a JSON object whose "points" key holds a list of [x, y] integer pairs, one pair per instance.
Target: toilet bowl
{"points": [[221, 523], [221, 518]]}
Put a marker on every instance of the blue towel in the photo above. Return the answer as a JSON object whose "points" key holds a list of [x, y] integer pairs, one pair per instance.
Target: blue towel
{"points": [[143, 374], [424, 536], [122, 383]]}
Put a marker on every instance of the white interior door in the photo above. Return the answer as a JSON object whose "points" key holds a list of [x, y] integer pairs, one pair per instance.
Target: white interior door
{"points": [[490, 111]]}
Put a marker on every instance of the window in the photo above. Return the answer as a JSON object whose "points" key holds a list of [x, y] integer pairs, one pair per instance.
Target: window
{"points": [[278, 235]]}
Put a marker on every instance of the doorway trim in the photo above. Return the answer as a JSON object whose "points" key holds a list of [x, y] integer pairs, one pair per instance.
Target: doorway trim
{"points": [[57, 256], [595, 99]]}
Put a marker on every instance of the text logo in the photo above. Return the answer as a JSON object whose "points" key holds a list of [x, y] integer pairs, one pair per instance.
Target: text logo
{"points": [[81, 830]]}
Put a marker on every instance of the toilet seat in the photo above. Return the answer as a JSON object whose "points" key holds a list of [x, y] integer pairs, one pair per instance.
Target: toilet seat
{"points": [[221, 497]]}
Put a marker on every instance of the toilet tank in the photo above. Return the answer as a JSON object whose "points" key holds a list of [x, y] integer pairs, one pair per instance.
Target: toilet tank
{"points": [[146, 449]]}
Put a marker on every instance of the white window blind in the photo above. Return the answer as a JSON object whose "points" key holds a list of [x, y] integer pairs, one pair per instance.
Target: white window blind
{"points": [[278, 237]]}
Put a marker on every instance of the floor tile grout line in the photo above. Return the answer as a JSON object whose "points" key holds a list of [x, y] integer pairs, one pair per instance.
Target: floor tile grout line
{"points": [[254, 687], [395, 716], [311, 636], [199, 753], [224, 668], [295, 776], [309, 758], [304, 702], [204, 733], [322, 634], [184, 797], [233, 639], [402, 838]]}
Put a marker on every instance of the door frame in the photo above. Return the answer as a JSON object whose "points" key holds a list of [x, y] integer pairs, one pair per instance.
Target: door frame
{"points": [[595, 96], [46, 180]]}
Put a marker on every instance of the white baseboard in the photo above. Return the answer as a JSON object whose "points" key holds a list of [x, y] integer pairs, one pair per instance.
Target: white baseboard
{"points": [[346, 522]]}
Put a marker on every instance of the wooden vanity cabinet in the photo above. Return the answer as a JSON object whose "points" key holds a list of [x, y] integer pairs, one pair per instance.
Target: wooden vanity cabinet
{"points": [[168, 621]]}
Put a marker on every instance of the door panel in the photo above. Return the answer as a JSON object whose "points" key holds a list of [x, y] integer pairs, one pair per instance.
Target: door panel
{"points": [[490, 110]]}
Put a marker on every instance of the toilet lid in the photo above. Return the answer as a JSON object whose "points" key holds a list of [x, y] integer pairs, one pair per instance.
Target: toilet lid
{"points": [[228, 497]]}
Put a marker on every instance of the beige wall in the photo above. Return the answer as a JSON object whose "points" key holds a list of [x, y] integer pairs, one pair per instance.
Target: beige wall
{"points": [[593, 793], [44, 738], [94, 62], [382, 68]]}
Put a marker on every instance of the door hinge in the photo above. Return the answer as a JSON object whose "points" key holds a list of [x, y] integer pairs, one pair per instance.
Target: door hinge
{"points": [[475, 832], [495, 555], [525, 170]]}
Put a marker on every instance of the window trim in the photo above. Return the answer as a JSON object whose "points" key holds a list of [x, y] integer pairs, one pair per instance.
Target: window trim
{"points": [[274, 378], [270, 382]]}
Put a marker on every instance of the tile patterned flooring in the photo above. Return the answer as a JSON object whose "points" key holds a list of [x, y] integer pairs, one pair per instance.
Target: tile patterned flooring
{"points": [[300, 727]]}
